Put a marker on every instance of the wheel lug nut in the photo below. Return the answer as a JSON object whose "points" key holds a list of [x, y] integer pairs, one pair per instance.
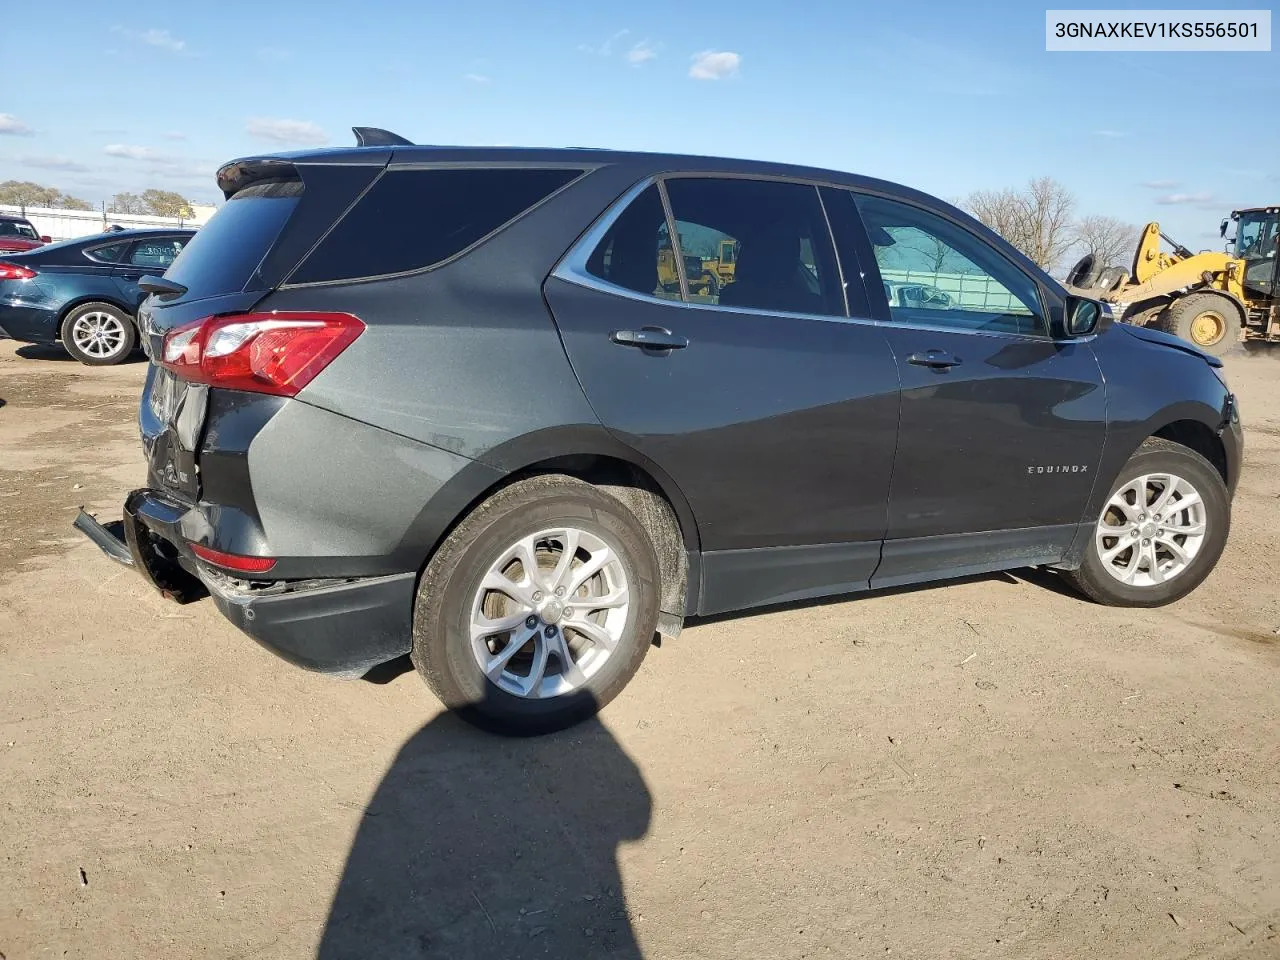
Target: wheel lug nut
{"points": [[1146, 543], [551, 630], [531, 622], [568, 612], [559, 591], [537, 596]]}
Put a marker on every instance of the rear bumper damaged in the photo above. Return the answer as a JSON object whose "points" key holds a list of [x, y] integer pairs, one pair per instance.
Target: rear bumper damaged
{"points": [[338, 626]]}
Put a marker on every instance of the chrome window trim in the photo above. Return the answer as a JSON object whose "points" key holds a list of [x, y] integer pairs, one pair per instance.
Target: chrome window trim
{"points": [[572, 268]]}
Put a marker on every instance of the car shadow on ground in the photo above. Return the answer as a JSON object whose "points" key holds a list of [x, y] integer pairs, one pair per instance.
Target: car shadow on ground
{"points": [[478, 847], [56, 352]]}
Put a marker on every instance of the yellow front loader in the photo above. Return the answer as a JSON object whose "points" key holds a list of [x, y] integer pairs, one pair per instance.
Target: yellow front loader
{"points": [[1211, 299]]}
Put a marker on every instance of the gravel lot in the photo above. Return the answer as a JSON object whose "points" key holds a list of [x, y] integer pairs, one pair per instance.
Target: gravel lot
{"points": [[992, 768]]}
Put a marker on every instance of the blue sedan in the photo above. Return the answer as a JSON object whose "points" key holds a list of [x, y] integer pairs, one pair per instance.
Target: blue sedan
{"points": [[84, 292]]}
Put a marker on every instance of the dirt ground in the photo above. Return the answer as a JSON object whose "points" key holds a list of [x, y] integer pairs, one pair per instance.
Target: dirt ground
{"points": [[992, 768]]}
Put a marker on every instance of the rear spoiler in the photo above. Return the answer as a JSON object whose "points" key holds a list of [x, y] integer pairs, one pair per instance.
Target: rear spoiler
{"points": [[238, 174]]}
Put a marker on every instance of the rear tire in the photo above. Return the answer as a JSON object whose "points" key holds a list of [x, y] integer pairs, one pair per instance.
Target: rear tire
{"points": [[98, 334], [1209, 321], [1157, 575], [511, 679]]}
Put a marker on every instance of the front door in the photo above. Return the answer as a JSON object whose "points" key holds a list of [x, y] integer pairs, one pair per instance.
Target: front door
{"points": [[772, 410], [1002, 426]]}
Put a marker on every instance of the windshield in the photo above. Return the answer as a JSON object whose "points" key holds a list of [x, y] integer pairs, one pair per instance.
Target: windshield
{"points": [[13, 228], [1256, 235]]}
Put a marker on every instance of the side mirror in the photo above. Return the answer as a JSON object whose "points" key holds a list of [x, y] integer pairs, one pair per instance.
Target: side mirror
{"points": [[46, 239], [1222, 230], [1083, 316]]}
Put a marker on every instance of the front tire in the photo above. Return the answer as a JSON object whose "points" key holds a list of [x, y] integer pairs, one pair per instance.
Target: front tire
{"points": [[538, 608], [1161, 531], [98, 334], [1208, 320]]}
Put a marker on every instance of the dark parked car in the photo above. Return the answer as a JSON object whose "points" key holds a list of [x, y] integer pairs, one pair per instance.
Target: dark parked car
{"points": [[18, 235], [436, 400], [84, 292]]}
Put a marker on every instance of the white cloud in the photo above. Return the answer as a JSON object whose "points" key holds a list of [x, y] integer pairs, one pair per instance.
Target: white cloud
{"points": [[175, 135], [477, 78], [605, 49], [301, 133], [153, 37], [1174, 198], [129, 152], [1162, 184], [1110, 134], [714, 65], [54, 163], [641, 52], [11, 126]]}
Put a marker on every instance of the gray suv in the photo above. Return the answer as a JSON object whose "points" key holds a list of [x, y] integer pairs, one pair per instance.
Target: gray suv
{"points": [[465, 404]]}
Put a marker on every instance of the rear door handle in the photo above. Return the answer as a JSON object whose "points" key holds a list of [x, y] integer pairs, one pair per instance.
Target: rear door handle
{"points": [[934, 359], [652, 338]]}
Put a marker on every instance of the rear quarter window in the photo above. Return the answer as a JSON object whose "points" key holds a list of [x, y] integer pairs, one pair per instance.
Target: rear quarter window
{"points": [[109, 253], [413, 219]]}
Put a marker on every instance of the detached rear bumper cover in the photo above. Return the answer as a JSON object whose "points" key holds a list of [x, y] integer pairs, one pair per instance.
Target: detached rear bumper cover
{"points": [[333, 626]]}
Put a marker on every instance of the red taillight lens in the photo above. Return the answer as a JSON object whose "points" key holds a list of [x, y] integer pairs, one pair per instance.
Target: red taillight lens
{"points": [[276, 353], [11, 271], [233, 561]]}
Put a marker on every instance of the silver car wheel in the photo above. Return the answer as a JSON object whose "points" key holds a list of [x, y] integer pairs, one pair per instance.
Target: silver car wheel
{"points": [[1151, 529], [98, 334], [549, 613]]}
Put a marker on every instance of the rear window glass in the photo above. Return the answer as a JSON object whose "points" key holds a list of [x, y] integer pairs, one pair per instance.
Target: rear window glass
{"points": [[411, 219], [226, 251]]}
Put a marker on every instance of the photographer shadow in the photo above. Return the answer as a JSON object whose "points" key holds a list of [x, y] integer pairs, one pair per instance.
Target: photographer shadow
{"points": [[476, 846]]}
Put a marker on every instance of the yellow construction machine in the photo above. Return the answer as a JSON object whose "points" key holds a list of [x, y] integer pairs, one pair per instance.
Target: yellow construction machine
{"points": [[703, 283], [724, 263], [1211, 299]]}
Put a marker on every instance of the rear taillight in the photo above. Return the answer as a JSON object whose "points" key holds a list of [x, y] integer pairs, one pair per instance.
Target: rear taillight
{"points": [[277, 353], [11, 271], [233, 561]]}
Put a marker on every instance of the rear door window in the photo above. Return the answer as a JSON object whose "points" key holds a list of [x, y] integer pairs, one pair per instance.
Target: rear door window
{"points": [[636, 252], [749, 244], [157, 254], [411, 219]]}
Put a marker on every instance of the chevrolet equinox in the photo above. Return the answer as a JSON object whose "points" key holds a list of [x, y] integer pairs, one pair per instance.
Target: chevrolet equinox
{"points": [[516, 411]]}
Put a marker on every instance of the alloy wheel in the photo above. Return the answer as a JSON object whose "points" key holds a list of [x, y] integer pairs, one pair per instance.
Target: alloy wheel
{"points": [[1151, 529], [98, 334], [549, 613]]}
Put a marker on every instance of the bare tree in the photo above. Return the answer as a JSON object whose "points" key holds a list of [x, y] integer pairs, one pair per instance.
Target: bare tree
{"points": [[24, 193], [1111, 241], [127, 203], [1036, 219]]}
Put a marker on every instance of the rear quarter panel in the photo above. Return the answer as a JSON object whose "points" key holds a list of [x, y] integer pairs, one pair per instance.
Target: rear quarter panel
{"points": [[466, 356]]}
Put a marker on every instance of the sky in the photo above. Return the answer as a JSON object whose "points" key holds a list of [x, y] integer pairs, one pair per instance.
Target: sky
{"points": [[944, 96]]}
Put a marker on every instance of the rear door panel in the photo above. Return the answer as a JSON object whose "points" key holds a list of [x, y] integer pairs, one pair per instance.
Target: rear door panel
{"points": [[779, 431]]}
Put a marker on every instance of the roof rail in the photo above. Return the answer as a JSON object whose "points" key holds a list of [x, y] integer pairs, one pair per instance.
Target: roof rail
{"points": [[377, 137]]}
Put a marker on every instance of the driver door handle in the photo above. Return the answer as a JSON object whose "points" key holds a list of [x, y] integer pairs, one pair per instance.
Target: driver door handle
{"points": [[935, 360], [653, 338]]}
